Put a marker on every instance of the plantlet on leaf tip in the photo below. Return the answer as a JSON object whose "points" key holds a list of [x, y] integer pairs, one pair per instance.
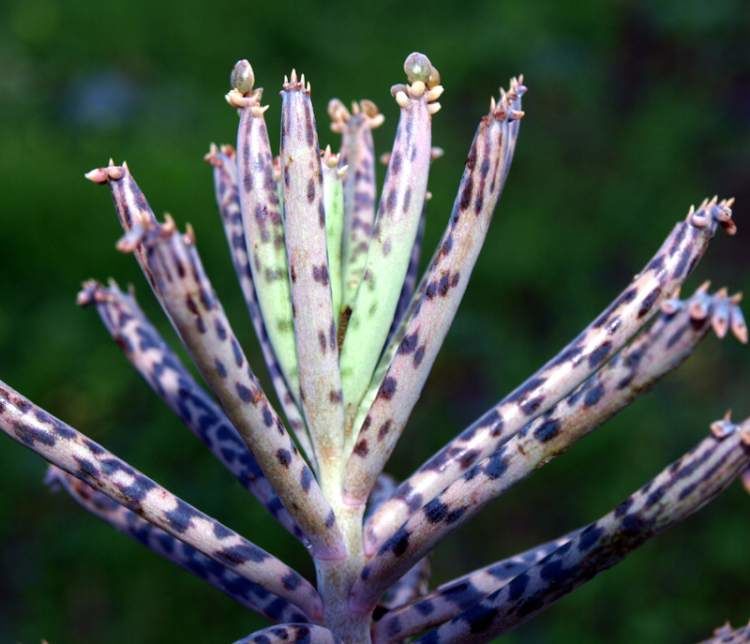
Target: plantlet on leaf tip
{"points": [[349, 334]]}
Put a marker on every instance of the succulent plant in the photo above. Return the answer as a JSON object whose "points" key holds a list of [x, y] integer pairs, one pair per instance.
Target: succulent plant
{"points": [[349, 334]]}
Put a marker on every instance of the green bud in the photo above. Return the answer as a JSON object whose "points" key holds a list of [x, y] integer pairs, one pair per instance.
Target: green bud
{"points": [[242, 77], [417, 67]]}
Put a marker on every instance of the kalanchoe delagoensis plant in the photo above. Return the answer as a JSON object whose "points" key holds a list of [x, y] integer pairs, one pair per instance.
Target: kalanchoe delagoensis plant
{"points": [[329, 272]]}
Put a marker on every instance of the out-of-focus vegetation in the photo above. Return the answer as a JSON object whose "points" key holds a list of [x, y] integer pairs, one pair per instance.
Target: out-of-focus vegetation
{"points": [[635, 110]]}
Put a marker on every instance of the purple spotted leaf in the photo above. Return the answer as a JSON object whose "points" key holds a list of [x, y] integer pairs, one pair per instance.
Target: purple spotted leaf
{"points": [[406, 363], [394, 232], [243, 591], [224, 164], [664, 346], [261, 228], [357, 154], [85, 459], [611, 330], [287, 633], [453, 597], [147, 351], [677, 492], [312, 307]]}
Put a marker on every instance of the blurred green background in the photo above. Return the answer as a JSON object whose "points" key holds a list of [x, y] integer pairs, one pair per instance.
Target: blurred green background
{"points": [[633, 113]]}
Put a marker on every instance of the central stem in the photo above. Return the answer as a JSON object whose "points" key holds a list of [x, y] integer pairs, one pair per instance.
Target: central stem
{"points": [[336, 578]]}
